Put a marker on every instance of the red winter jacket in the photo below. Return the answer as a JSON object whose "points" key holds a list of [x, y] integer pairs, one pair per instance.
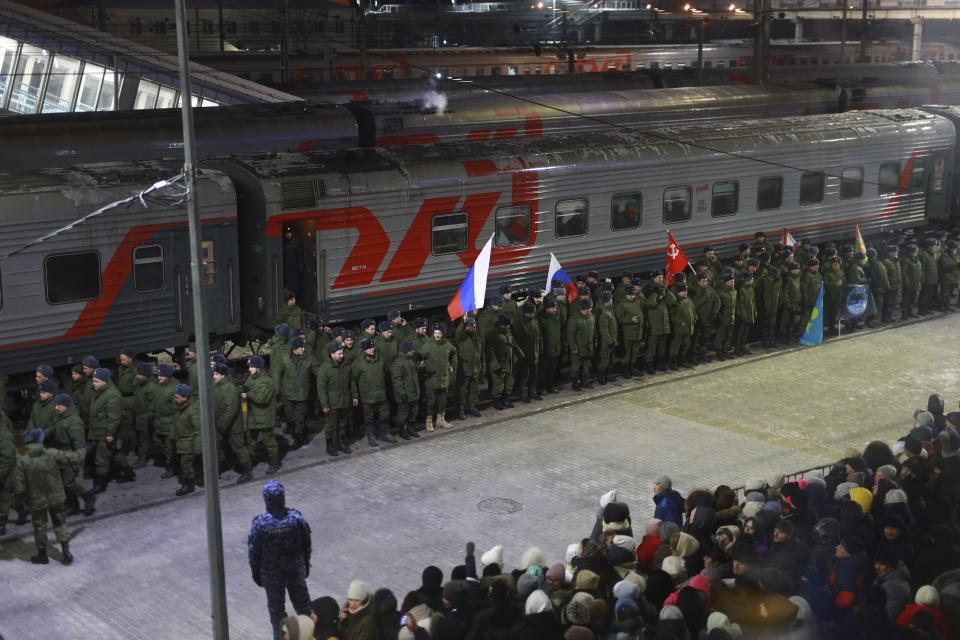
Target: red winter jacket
{"points": [[903, 620], [646, 550]]}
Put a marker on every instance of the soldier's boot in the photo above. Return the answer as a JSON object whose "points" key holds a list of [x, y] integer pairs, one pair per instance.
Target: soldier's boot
{"points": [[403, 432], [430, 423], [371, 439], [74, 504], [185, 489], [41, 557], [662, 366], [673, 363], [412, 431], [610, 376], [627, 370], [685, 362], [126, 474], [462, 413], [89, 504], [651, 370], [383, 432], [505, 400], [537, 396], [576, 387], [637, 368], [473, 412], [344, 447], [140, 463], [168, 473], [442, 421], [65, 552], [332, 449], [246, 476], [525, 397]]}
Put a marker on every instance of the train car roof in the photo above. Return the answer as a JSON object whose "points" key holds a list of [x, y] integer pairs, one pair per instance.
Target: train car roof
{"points": [[91, 176], [626, 143]]}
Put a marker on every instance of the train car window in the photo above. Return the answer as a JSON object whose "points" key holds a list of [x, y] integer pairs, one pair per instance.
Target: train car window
{"points": [[811, 188], [676, 204], [626, 211], [208, 259], [449, 233], [495, 71], [918, 176], [725, 199], [512, 225], [889, 179], [72, 277], [769, 193], [571, 218], [938, 182], [148, 268], [851, 182]]}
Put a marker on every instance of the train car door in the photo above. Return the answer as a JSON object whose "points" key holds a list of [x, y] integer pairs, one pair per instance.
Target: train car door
{"points": [[218, 276], [938, 188], [300, 263]]}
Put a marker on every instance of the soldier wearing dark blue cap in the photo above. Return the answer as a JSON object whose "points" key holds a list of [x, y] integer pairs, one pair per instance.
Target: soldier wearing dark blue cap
{"points": [[291, 314], [387, 343], [405, 383], [190, 361], [337, 397], [228, 421], [66, 434], [105, 417], [369, 380], [42, 413], [294, 375], [501, 352], [930, 275], [552, 333], [401, 329], [707, 304], [771, 301], [488, 316], [8, 465], [186, 434], [948, 268], [164, 415], [789, 323], [146, 387], [746, 314], [683, 320], [125, 378], [581, 337], [38, 478], [279, 354], [608, 337], [657, 305], [258, 391], [727, 314], [439, 362], [470, 361], [911, 275], [529, 340]]}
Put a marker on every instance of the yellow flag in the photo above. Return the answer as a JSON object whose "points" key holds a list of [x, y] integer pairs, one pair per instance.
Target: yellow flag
{"points": [[858, 243]]}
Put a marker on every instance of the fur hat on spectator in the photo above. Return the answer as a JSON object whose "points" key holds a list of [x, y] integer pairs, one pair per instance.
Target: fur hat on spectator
{"points": [[532, 557], [626, 609], [537, 602], [675, 568], [586, 580], [358, 590], [555, 572], [298, 627], [895, 496], [527, 584], [625, 542], [927, 595], [843, 489], [652, 528], [626, 589], [493, 556], [577, 612]]}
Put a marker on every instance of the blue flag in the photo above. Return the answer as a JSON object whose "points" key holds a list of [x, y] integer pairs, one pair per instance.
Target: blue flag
{"points": [[813, 334]]}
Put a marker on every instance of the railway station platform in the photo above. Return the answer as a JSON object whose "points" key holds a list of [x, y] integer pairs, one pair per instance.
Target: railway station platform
{"points": [[528, 476]]}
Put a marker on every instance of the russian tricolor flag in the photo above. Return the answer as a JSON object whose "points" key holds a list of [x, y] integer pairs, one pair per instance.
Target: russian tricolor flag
{"points": [[473, 290], [556, 272]]}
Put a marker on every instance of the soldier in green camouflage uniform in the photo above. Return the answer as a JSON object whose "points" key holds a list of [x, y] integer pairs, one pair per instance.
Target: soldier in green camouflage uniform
{"points": [[470, 359], [789, 326], [42, 414], [772, 294], [369, 379], [727, 314], [911, 274], [228, 419], [501, 352], [929, 262], [581, 331], [337, 396], [293, 373], [66, 434], [657, 306], [949, 270], [629, 313], [80, 392], [105, 417], [608, 331], [258, 391], [439, 361], [832, 293], [164, 414], [746, 314], [683, 319], [186, 435], [401, 330], [405, 382], [126, 381], [8, 465], [879, 283], [38, 478], [551, 332], [292, 315], [526, 335], [190, 360], [143, 411], [707, 303]]}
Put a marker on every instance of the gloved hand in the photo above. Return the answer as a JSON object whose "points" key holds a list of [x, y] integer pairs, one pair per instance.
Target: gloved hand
{"points": [[306, 572], [256, 579]]}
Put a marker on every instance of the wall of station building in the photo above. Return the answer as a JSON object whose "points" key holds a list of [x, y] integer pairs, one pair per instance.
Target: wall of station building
{"points": [[37, 80]]}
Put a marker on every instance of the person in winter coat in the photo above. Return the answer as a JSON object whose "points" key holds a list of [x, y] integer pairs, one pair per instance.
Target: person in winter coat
{"points": [[850, 572], [894, 578], [669, 503], [356, 617], [788, 554], [868, 620], [37, 478], [928, 600], [648, 545], [278, 550]]}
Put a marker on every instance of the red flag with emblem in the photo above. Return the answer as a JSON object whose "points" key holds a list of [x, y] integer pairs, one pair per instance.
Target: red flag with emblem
{"points": [[676, 260]]}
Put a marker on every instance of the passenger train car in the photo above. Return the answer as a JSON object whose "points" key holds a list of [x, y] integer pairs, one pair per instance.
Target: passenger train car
{"points": [[375, 229], [392, 64], [140, 135]]}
